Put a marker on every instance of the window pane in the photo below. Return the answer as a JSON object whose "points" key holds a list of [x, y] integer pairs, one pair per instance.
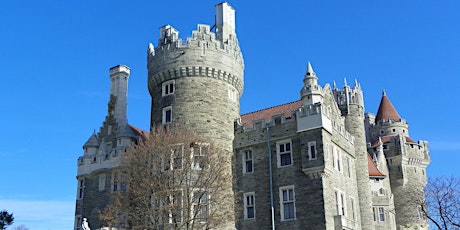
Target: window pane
{"points": [[250, 212], [288, 146], [285, 159]]}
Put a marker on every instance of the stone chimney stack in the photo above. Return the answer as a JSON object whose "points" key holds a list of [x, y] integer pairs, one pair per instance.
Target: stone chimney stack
{"points": [[117, 107]]}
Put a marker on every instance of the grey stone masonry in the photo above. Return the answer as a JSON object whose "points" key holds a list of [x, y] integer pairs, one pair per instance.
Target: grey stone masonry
{"points": [[196, 84]]}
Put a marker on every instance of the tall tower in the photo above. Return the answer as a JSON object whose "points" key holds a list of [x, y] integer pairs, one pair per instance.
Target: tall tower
{"points": [[196, 84], [101, 153], [406, 159], [351, 103]]}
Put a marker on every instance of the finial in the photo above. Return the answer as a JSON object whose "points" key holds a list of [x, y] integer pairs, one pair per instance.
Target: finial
{"points": [[345, 81], [380, 141], [151, 49], [335, 85], [356, 83], [384, 93], [94, 131]]}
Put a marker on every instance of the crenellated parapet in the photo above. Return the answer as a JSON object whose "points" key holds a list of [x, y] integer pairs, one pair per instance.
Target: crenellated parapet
{"points": [[201, 55]]}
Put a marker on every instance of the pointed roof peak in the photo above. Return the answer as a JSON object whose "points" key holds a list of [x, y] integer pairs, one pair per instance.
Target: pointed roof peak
{"points": [[386, 110], [310, 70]]}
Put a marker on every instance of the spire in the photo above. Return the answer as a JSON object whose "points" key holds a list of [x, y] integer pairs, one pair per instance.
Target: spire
{"points": [[386, 110], [92, 141], [310, 70]]}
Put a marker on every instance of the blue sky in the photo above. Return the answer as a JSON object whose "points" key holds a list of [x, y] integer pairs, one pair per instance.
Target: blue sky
{"points": [[55, 58]]}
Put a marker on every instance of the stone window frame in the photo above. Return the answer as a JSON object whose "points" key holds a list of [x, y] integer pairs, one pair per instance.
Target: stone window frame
{"points": [[168, 88], [164, 118], [287, 201], [78, 222], [381, 214], [102, 180], [312, 155], [246, 161], [337, 158], [201, 154], [284, 145], [232, 94], [174, 198], [200, 205], [340, 202], [353, 208], [249, 200], [81, 188]]}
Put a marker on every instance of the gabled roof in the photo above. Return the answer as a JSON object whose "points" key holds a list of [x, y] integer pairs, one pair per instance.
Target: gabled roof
{"points": [[139, 132], [386, 110], [373, 170], [266, 114]]}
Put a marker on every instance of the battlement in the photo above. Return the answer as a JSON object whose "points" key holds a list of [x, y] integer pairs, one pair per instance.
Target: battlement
{"points": [[202, 55]]}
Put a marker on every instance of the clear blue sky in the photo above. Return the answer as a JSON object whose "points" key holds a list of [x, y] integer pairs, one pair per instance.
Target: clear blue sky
{"points": [[55, 58]]}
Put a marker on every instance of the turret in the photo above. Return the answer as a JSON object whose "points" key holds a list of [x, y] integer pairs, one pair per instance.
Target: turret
{"points": [[406, 159], [311, 93], [91, 145], [119, 76]]}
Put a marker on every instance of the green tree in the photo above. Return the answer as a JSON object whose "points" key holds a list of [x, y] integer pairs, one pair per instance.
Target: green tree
{"points": [[5, 219]]}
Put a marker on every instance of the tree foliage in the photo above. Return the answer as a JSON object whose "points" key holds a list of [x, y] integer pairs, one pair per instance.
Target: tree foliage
{"points": [[442, 204], [5, 219], [172, 180]]}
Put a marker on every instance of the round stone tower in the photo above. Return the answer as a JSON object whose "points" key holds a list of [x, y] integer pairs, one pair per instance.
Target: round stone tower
{"points": [[196, 84]]}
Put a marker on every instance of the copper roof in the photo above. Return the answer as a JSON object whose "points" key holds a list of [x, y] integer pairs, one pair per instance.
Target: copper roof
{"points": [[266, 114], [386, 110], [373, 170]]}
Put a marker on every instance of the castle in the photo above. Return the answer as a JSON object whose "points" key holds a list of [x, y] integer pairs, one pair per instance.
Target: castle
{"points": [[316, 163]]}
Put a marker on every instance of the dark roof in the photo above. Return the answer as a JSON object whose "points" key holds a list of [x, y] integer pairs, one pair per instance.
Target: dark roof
{"points": [[92, 141], [386, 110], [266, 114]]}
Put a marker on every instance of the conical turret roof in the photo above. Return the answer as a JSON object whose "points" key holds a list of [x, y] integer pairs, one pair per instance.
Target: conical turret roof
{"points": [[92, 141], [386, 110]]}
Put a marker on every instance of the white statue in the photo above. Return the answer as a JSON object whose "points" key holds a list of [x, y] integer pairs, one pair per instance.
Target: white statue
{"points": [[84, 225]]}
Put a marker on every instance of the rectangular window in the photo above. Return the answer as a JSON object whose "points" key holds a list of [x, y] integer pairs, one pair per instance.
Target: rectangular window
{"points": [[284, 153], [375, 213], [232, 94], [101, 182], [119, 182], [249, 206], [287, 203], [176, 155], [247, 161], [175, 212], [381, 214], [199, 155], [200, 206], [340, 202], [167, 115], [81, 188], [312, 150], [353, 210], [337, 159], [78, 221], [168, 88], [348, 167]]}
